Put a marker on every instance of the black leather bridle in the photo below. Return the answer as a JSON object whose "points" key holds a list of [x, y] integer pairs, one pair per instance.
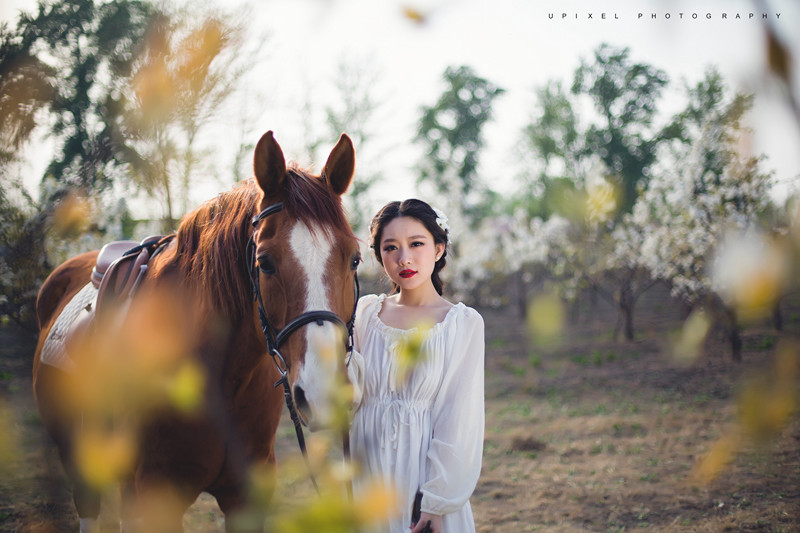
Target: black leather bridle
{"points": [[275, 339]]}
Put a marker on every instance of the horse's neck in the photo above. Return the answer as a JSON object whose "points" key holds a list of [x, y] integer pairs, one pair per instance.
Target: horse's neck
{"points": [[244, 361]]}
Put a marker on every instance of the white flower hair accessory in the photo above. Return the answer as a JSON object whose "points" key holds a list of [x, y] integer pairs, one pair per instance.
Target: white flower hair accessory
{"points": [[441, 221]]}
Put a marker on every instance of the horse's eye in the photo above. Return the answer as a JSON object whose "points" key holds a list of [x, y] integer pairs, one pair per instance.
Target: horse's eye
{"points": [[266, 265], [356, 261]]}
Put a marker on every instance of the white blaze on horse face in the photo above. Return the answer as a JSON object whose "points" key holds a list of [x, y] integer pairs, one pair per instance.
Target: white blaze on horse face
{"points": [[312, 248]]}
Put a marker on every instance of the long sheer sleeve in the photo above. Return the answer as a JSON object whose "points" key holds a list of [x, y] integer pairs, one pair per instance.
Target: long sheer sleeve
{"points": [[355, 367], [355, 374], [456, 449]]}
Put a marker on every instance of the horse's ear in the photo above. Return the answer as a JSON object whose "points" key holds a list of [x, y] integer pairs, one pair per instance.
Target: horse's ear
{"points": [[340, 165], [269, 165]]}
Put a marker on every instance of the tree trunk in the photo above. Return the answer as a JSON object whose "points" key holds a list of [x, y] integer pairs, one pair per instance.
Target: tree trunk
{"points": [[734, 334], [777, 316], [626, 302], [574, 310], [521, 296]]}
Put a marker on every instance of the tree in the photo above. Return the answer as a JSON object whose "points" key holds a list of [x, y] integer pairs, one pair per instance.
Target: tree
{"points": [[625, 95], [89, 48], [354, 115], [187, 69], [23, 262], [451, 132], [704, 187], [552, 145], [580, 163], [26, 87]]}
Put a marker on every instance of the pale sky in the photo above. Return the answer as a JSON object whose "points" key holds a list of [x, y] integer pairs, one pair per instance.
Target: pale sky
{"points": [[513, 43]]}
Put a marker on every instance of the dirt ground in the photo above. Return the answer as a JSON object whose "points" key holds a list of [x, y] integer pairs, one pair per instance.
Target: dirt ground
{"points": [[584, 434]]}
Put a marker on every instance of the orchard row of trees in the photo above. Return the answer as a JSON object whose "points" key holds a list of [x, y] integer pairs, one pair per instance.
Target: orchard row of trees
{"points": [[614, 194]]}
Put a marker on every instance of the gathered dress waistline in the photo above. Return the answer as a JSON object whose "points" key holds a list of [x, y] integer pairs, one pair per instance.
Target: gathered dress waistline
{"points": [[397, 412]]}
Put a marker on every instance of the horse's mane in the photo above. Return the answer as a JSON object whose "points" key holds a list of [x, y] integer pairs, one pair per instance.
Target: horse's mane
{"points": [[211, 240]]}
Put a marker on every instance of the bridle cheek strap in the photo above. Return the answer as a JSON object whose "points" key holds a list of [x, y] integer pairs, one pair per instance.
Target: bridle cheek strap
{"points": [[276, 339]]}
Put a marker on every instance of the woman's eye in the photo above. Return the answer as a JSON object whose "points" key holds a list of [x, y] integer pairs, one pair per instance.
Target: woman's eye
{"points": [[266, 265], [417, 243], [389, 248]]}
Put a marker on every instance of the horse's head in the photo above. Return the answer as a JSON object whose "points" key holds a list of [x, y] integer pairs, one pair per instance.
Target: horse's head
{"points": [[306, 257]]}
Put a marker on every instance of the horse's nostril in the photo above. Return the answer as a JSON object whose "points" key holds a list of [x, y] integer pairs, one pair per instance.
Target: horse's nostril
{"points": [[301, 403]]}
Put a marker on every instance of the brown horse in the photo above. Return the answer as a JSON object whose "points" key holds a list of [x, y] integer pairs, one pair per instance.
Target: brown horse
{"points": [[195, 312]]}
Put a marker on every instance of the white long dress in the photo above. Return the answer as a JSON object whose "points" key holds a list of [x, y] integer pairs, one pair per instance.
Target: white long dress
{"points": [[425, 432]]}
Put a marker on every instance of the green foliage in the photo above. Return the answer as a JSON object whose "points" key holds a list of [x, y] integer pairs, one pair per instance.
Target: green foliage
{"points": [[450, 131], [625, 95], [92, 47], [25, 88], [23, 264], [622, 135]]}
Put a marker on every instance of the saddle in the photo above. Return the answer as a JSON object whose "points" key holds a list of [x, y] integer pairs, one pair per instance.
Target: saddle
{"points": [[119, 268]]}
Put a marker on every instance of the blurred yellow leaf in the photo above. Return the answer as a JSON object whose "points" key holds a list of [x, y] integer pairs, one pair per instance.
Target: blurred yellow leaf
{"points": [[186, 388], [778, 57], [8, 450], [546, 317], [411, 351], [72, 215], [156, 507], [714, 462], [413, 14], [333, 513], [262, 484], [689, 345], [376, 504], [104, 457], [751, 271], [787, 363], [601, 200], [765, 407]]}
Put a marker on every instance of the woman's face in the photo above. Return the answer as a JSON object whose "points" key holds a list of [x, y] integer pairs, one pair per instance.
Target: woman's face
{"points": [[408, 252]]}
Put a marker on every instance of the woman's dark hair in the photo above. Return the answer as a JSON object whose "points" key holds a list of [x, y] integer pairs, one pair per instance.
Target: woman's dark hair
{"points": [[418, 210]]}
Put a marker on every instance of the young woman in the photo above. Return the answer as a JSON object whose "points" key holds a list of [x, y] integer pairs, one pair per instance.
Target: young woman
{"points": [[421, 430]]}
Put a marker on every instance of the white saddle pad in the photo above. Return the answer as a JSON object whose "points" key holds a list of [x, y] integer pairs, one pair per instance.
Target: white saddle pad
{"points": [[54, 352]]}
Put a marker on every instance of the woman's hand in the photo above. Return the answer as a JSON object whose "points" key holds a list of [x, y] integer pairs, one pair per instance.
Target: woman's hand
{"points": [[435, 520]]}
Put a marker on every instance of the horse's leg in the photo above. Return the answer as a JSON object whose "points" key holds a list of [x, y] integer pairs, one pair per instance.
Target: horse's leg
{"points": [[243, 515], [85, 497], [239, 516], [128, 522], [60, 424]]}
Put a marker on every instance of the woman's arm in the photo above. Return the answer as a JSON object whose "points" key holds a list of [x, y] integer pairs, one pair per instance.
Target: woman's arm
{"points": [[456, 449]]}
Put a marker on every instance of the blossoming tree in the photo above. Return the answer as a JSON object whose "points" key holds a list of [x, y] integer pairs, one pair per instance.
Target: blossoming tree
{"points": [[695, 198]]}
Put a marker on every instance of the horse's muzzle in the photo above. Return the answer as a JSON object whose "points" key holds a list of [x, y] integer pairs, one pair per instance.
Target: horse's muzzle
{"points": [[302, 405]]}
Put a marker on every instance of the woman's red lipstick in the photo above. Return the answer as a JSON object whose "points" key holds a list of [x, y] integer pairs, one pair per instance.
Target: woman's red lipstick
{"points": [[407, 273]]}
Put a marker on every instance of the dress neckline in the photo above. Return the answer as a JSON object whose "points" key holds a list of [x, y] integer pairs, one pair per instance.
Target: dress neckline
{"points": [[435, 327]]}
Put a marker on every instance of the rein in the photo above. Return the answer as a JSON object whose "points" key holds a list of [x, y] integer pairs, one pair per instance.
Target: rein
{"points": [[275, 339]]}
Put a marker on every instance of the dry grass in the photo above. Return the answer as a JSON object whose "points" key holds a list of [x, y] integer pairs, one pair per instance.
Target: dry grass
{"points": [[586, 435]]}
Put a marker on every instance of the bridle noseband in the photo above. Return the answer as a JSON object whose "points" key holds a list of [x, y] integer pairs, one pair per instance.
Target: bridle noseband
{"points": [[275, 339]]}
